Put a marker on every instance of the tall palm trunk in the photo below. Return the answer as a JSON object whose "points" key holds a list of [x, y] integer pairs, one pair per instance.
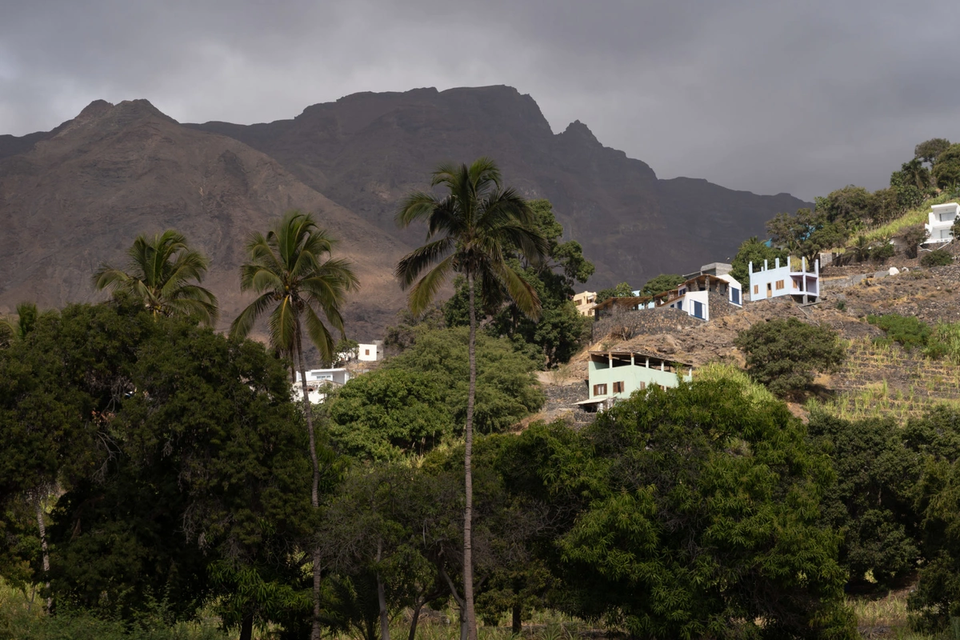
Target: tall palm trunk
{"points": [[468, 474], [315, 488]]}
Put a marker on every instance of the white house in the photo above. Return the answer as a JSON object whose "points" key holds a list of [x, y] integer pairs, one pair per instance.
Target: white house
{"points": [[318, 380], [370, 352], [693, 296], [786, 280], [941, 218], [613, 375], [585, 302], [713, 281]]}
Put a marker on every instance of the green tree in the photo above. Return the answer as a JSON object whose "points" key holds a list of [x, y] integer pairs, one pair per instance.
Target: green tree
{"points": [[784, 355], [663, 282], [872, 502], [929, 150], [946, 169], [806, 233], [470, 228], [756, 251], [160, 273], [913, 237], [622, 290], [291, 271], [391, 413], [696, 514], [505, 388], [850, 206]]}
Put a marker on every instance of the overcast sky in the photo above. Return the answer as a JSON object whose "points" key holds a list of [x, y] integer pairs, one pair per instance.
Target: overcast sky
{"points": [[770, 96]]}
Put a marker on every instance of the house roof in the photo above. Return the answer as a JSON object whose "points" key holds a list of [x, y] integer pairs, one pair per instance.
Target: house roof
{"points": [[645, 354]]}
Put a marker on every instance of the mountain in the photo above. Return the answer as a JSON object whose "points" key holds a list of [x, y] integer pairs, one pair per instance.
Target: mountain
{"points": [[78, 196], [367, 150]]}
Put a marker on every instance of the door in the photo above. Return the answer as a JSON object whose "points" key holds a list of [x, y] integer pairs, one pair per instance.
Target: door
{"points": [[769, 289]]}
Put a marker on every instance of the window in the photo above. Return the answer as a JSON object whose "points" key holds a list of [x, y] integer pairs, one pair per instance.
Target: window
{"points": [[735, 295], [642, 386], [756, 289], [618, 387], [366, 352], [698, 309], [600, 389], [779, 284]]}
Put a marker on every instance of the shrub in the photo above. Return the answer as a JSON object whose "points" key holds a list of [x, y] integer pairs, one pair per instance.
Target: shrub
{"points": [[908, 331], [785, 354], [882, 251], [936, 258]]}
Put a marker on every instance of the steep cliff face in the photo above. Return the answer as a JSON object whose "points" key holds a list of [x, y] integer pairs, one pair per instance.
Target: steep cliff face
{"points": [[367, 150], [78, 197]]}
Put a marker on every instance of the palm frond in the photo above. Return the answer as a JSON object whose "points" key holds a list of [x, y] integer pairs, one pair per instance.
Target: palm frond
{"points": [[319, 334], [243, 324], [414, 263], [425, 290], [523, 295]]}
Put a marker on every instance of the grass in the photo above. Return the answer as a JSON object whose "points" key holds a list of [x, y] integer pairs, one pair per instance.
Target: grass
{"points": [[909, 219]]}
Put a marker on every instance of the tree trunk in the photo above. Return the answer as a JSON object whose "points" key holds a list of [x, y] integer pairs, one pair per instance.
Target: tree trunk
{"points": [[517, 622], [414, 618], [246, 626], [315, 487], [470, 613], [382, 599], [42, 528]]}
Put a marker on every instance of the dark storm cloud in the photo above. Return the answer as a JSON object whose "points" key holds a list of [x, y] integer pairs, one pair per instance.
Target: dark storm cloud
{"points": [[752, 94]]}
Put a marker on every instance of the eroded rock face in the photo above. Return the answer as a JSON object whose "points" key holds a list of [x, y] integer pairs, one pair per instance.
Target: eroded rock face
{"points": [[79, 196], [365, 151], [76, 196]]}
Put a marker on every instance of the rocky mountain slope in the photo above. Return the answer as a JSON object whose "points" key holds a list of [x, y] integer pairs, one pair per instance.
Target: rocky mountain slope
{"points": [[367, 150], [78, 197]]}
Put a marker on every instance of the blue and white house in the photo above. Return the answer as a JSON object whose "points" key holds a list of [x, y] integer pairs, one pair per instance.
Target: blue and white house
{"points": [[792, 278]]}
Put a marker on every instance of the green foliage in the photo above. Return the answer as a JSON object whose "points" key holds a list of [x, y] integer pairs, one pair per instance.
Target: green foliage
{"points": [[930, 150], [909, 331], [785, 354], [622, 290], [293, 273], [910, 185], [913, 236], [945, 342], [390, 413], [400, 337], [806, 233], [159, 274], [560, 330], [663, 282], [507, 390], [946, 168], [937, 596], [936, 258], [882, 250], [872, 503], [175, 448], [698, 510], [756, 251], [851, 206]]}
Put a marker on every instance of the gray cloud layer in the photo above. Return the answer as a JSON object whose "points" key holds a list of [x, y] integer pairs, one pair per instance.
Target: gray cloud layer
{"points": [[765, 95]]}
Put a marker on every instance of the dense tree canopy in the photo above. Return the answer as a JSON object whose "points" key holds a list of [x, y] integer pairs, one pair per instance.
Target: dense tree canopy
{"points": [[661, 283], [786, 354], [696, 509]]}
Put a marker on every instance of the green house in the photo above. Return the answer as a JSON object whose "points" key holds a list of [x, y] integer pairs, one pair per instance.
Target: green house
{"points": [[617, 374]]}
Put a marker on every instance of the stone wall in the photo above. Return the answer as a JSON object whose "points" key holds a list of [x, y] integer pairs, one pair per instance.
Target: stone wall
{"points": [[624, 325]]}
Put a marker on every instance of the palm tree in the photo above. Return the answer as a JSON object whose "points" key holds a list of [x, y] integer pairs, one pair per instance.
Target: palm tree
{"points": [[293, 274], [470, 230], [160, 272]]}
